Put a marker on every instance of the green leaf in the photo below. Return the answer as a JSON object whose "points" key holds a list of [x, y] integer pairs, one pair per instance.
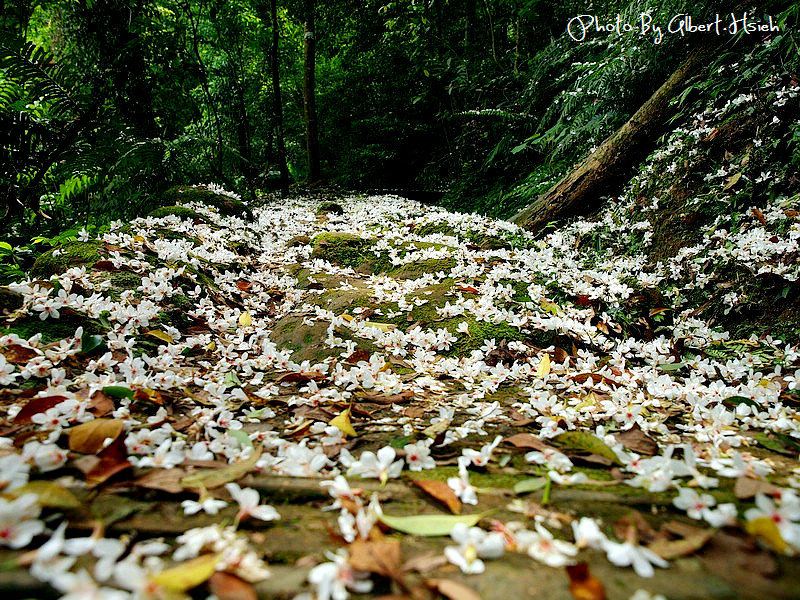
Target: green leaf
{"points": [[118, 391], [671, 366], [737, 400], [50, 493], [232, 380], [530, 485], [241, 437], [586, 442], [90, 343], [401, 441], [429, 525]]}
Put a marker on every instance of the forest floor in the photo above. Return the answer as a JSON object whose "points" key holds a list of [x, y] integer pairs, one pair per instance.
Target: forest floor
{"points": [[375, 397]]}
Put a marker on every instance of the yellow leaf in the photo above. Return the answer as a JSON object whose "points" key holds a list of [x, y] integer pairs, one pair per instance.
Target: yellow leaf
{"points": [[439, 427], [139, 239], [245, 320], [212, 478], [381, 326], [187, 575], [342, 422], [765, 529], [346, 317], [51, 494], [161, 335], [211, 345], [544, 367]]}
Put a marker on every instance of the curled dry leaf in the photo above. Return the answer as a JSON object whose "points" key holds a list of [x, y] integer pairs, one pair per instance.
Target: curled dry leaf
{"points": [[454, 590], [113, 459], [36, 406], [583, 585], [90, 437], [212, 478], [636, 440], [747, 487], [230, 587], [165, 480], [441, 491], [383, 557]]}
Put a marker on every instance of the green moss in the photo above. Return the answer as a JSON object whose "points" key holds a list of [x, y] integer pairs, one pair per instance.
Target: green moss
{"points": [[225, 204], [58, 260], [168, 234], [479, 332], [418, 268], [330, 207], [430, 228], [178, 211], [476, 478], [343, 249], [53, 329]]}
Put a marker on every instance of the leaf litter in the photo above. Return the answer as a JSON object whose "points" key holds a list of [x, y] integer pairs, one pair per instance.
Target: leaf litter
{"points": [[188, 392]]}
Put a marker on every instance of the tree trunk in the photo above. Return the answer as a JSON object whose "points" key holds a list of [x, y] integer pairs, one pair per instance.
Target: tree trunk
{"points": [[580, 191], [309, 99], [276, 99]]}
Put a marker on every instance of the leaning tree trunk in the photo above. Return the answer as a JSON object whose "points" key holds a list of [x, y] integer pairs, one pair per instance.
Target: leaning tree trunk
{"points": [[309, 99], [580, 191]]}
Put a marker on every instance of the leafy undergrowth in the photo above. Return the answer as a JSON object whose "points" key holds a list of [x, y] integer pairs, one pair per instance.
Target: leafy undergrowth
{"points": [[540, 404]]}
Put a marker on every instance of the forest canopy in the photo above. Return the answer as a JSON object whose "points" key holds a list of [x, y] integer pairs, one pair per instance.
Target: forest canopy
{"points": [[106, 104]]}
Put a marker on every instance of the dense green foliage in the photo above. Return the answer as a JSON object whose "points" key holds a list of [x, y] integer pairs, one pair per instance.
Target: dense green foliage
{"points": [[106, 104]]}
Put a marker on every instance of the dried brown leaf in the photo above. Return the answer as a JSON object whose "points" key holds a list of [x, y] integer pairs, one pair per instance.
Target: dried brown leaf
{"points": [[90, 437], [383, 557], [441, 491], [230, 587], [455, 590]]}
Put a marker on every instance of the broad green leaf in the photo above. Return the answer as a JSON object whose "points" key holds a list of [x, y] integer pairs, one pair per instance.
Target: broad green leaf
{"points": [[90, 343], [429, 525], [671, 366], [241, 437], [50, 493], [586, 442], [342, 422], [737, 400], [187, 575], [212, 478], [530, 485], [232, 380], [118, 391], [401, 441]]}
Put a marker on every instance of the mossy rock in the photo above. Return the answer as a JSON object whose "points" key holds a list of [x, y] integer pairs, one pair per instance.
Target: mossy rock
{"points": [[122, 281], [305, 342], [418, 268], [71, 254], [343, 249], [169, 234], [178, 211], [442, 228], [53, 330], [225, 204], [330, 207]]}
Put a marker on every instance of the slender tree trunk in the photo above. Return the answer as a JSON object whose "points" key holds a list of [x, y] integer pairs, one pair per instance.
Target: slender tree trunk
{"points": [[276, 99], [580, 191], [309, 98]]}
